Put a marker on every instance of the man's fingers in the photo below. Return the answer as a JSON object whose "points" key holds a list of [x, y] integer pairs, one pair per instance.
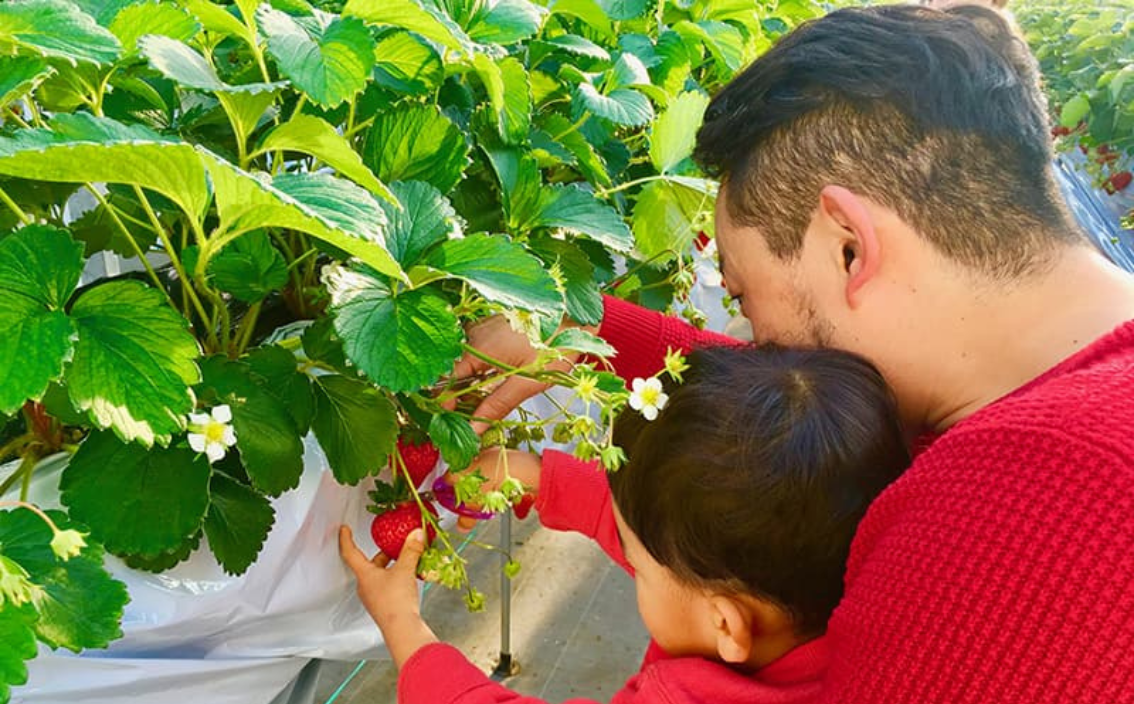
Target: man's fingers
{"points": [[465, 523], [504, 399]]}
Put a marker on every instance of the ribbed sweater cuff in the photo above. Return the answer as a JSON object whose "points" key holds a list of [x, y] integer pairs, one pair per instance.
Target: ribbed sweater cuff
{"points": [[565, 482]]}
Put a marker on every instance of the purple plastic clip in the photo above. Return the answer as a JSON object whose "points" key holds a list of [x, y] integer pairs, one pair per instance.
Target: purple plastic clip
{"points": [[447, 497]]}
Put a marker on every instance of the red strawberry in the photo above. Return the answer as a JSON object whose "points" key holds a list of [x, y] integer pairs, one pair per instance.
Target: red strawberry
{"points": [[419, 458], [1117, 182], [701, 240], [1060, 131], [391, 528], [524, 507]]}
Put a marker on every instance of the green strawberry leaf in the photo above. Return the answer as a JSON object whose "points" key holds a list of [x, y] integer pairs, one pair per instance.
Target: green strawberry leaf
{"points": [[576, 209], [137, 501], [330, 209], [1075, 111], [455, 438], [134, 361], [510, 94], [56, 28], [218, 20], [19, 75], [424, 219], [237, 523], [590, 164], [81, 605], [401, 342], [580, 46], [179, 62], [407, 64], [266, 437], [579, 340], [589, 13], [39, 269], [328, 58], [17, 644], [667, 217], [581, 290], [622, 106], [160, 18], [311, 135], [407, 14], [167, 560], [81, 148], [724, 42], [416, 143], [276, 372], [249, 267], [500, 270], [675, 131], [505, 21], [356, 426], [624, 9], [518, 174]]}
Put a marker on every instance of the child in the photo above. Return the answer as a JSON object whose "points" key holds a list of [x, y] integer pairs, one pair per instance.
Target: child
{"points": [[735, 513]]}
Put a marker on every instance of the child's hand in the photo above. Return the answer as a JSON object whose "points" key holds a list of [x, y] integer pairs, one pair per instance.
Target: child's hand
{"points": [[390, 593], [495, 465]]}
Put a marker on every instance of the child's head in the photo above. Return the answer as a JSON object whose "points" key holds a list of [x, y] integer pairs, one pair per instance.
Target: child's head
{"points": [[745, 493]]}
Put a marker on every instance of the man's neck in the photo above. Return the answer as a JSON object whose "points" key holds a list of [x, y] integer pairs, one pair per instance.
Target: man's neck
{"points": [[1011, 334]]}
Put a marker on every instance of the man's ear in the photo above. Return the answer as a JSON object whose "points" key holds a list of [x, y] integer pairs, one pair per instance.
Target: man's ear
{"points": [[733, 627], [859, 247]]}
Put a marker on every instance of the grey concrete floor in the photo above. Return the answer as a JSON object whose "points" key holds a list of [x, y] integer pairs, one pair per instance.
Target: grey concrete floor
{"points": [[575, 629]]}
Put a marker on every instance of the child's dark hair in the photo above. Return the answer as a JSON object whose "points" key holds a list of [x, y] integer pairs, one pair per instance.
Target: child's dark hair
{"points": [[756, 473]]}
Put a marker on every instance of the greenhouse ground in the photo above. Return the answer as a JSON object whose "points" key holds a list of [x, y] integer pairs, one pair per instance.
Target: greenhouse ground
{"points": [[575, 626]]}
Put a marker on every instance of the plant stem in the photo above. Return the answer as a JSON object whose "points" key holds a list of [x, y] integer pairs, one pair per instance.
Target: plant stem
{"points": [[27, 466], [247, 325], [23, 503], [6, 200], [17, 117], [113, 212], [186, 282], [604, 192]]}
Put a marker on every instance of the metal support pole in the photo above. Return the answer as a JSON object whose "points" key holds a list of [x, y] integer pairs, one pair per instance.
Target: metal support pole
{"points": [[506, 666]]}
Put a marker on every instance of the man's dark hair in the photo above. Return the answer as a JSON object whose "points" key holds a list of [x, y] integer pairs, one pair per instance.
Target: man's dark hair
{"points": [[937, 115], [755, 475]]}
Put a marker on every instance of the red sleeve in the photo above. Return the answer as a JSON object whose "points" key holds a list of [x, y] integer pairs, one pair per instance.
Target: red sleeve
{"points": [[574, 495], [642, 337], [440, 674]]}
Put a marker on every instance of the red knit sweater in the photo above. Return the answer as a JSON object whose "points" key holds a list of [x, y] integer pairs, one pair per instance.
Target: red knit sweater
{"points": [[1000, 567]]}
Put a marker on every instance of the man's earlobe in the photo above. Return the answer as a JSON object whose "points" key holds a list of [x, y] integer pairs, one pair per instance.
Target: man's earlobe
{"points": [[859, 243]]}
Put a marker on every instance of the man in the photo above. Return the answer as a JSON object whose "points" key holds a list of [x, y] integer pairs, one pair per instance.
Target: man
{"points": [[887, 189]]}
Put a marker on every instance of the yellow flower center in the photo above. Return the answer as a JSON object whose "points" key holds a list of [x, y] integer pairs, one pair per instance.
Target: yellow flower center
{"points": [[649, 396], [214, 432]]}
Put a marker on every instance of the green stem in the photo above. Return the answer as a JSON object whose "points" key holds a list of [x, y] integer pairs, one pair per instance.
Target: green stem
{"points": [[113, 212], [23, 503], [247, 325], [27, 466], [186, 282], [604, 192], [6, 200], [17, 117]]}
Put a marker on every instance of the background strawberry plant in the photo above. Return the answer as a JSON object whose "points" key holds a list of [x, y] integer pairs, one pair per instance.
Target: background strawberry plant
{"points": [[386, 170], [1086, 51]]}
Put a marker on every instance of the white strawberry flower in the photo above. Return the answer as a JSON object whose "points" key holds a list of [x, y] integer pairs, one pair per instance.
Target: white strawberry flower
{"points": [[647, 397], [213, 434]]}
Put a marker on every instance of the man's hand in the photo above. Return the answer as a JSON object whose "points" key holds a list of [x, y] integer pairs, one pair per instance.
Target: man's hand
{"points": [[495, 466], [390, 594], [496, 339]]}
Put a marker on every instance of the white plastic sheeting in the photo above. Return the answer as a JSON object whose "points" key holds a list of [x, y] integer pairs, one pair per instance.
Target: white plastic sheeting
{"points": [[200, 635]]}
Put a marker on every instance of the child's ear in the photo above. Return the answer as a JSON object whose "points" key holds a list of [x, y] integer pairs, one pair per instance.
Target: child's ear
{"points": [[745, 627], [733, 627]]}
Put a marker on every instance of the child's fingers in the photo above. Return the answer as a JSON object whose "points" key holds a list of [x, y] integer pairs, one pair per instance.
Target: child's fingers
{"points": [[411, 552], [352, 556]]}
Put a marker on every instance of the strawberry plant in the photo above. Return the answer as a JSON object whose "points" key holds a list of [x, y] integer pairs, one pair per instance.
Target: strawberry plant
{"points": [[1086, 52], [371, 175]]}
